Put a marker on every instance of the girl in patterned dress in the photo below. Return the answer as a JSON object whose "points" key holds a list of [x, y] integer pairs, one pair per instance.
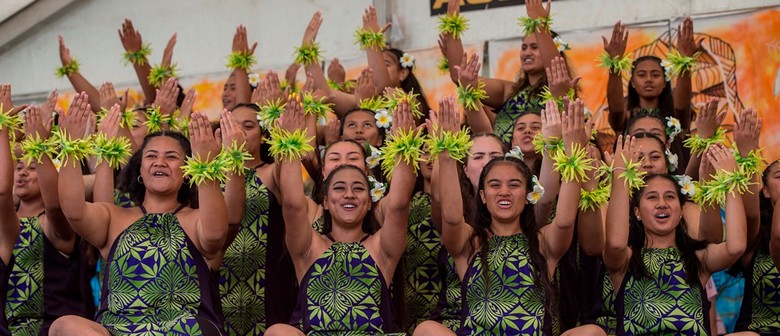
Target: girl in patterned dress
{"points": [[44, 281], [505, 262], [160, 256], [660, 269], [344, 274]]}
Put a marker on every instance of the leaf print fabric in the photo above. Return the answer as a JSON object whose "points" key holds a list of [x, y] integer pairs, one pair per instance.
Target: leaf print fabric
{"points": [[154, 286], [507, 301], [24, 302], [664, 303], [763, 297], [523, 102], [242, 280]]}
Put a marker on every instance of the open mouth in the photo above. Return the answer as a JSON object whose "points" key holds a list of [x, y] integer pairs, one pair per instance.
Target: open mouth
{"points": [[504, 204]]}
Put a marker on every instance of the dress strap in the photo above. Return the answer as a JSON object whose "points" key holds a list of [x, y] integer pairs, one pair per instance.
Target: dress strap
{"points": [[259, 165], [364, 238], [143, 209], [181, 206], [330, 237]]}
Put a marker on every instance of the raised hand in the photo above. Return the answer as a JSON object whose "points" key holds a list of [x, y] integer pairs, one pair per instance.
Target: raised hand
{"points": [[33, 123], [109, 98], [291, 74], [241, 43], [202, 140], [336, 71], [130, 37], [370, 21], [575, 129], [168, 53], [721, 158], [616, 46], [685, 40], [186, 105], [535, 9], [269, 89], [167, 95], [551, 121], [709, 119], [75, 121], [6, 103], [558, 77], [229, 130], [47, 109], [365, 88], [332, 131], [402, 117], [293, 118], [468, 75], [625, 149], [747, 131], [310, 35], [109, 125], [448, 115]]}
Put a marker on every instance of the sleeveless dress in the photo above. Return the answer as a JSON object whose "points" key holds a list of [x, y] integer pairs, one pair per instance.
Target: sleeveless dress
{"points": [[249, 260], [760, 310], [344, 293], [521, 103], [157, 282], [511, 303], [664, 303], [43, 284], [450, 305], [422, 279]]}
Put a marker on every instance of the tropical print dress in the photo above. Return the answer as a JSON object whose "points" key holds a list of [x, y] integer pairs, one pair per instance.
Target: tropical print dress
{"points": [[43, 284], [663, 303], [422, 280], [760, 310], [344, 293], [157, 282], [521, 103], [507, 300]]}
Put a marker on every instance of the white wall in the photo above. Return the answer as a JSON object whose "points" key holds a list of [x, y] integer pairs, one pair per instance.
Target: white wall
{"points": [[205, 29]]}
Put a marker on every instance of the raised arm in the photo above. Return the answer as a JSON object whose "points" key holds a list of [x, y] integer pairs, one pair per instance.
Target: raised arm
{"points": [[212, 223], [707, 123], [720, 256], [373, 53], [109, 98], [241, 46], [590, 223], [133, 45], [548, 177], [80, 84], [547, 48], [56, 227], [616, 47], [687, 47], [230, 133], [9, 222], [710, 224], [746, 135], [103, 188], [557, 236], [616, 251], [88, 220], [468, 77]]}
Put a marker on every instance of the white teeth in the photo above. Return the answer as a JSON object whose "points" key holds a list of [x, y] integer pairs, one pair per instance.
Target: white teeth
{"points": [[504, 203], [158, 174], [662, 216], [350, 206]]}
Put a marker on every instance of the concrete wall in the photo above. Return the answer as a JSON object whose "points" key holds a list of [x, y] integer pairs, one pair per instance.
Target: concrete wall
{"points": [[205, 29]]}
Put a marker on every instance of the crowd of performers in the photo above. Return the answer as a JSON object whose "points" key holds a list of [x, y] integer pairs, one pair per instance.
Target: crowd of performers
{"points": [[342, 207]]}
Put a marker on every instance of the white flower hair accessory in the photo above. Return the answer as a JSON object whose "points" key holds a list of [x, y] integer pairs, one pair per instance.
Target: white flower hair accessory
{"points": [[383, 118], [561, 44], [536, 194], [377, 189], [668, 68], [687, 185], [515, 152], [673, 160], [408, 61], [254, 79], [673, 128], [373, 160]]}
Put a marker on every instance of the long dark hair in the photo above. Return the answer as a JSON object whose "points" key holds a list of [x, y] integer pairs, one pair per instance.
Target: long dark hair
{"points": [[665, 99], [343, 119], [523, 81], [411, 84], [646, 135], [767, 211], [131, 173], [687, 245], [370, 225], [319, 179], [645, 114], [483, 221]]}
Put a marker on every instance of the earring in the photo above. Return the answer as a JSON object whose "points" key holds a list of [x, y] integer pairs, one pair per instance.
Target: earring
{"points": [[140, 179]]}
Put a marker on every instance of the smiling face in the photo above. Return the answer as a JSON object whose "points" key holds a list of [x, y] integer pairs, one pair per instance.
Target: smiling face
{"points": [[648, 125], [341, 153], [530, 57], [361, 127], [526, 127], [229, 93], [648, 79], [653, 156], [660, 207], [247, 119], [26, 181], [161, 162], [348, 199], [484, 149], [503, 193]]}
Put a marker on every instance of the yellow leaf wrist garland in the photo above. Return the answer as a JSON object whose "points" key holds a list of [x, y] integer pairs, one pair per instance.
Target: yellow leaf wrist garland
{"points": [[457, 144]]}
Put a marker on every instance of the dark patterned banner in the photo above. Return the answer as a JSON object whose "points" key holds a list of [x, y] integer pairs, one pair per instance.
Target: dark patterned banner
{"points": [[440, 6]]}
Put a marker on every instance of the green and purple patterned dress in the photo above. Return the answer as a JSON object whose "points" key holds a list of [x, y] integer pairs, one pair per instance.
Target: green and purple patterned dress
{"points": [[521, 103], [663, 303], [760, 310], [157, 282], [344, 293], [507, 301], [423, 282]]}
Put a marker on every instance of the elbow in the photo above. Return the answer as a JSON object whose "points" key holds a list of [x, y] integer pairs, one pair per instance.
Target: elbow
{"points": [[736, 249]]}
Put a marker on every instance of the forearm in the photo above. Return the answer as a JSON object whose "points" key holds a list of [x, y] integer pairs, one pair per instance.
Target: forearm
{"points": [[551, 182], [616, 103], [47, 179], [103, 190], [450, 193], [710, 224], [454, 57], [682, 100], [235, 198], [81, 84], [71, 194], [342, 102], [736, 235], [547, 47], [243, 89], [377, 64], [692, 169], [617, 219], [478, 120], [142, 71], [213, 221]]}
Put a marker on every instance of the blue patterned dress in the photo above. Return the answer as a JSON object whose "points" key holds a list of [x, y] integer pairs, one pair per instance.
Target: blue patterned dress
{"points": [[760, 310], [344, 293], [523, 102], [510, 302], [663, 303], [157, 282], [243, 283], [42, 283]]}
